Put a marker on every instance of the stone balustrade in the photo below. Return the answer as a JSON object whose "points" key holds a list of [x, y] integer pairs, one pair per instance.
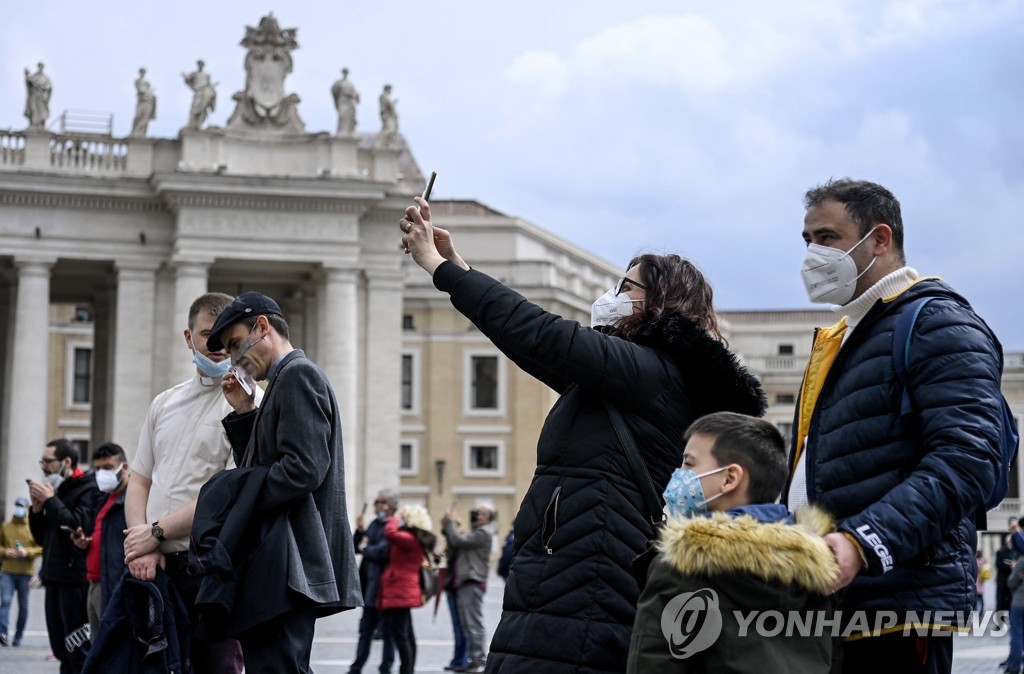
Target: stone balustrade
{"points": [[212, 150], [91, 155], [774, 364], [12, 148]]}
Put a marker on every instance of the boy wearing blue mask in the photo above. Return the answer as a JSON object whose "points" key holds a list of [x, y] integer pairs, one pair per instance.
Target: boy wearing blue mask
{"points": [[735, 582]]}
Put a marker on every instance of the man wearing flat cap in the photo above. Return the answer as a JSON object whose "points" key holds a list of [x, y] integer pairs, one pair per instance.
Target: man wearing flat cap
{"points": [[294, 438]]}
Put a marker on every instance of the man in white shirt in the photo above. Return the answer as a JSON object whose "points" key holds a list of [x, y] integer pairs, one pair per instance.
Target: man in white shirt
{"points": [[181, 446]]}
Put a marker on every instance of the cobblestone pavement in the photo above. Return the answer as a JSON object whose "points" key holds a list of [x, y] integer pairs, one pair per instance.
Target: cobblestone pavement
{"points": [[335, 642]]}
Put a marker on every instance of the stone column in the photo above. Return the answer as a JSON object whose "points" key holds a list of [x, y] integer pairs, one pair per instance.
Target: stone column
{"points": [[133, 346], [190, 281], [102, 363], [7, 289], [382, 413], [338, 355], [29, 398]]}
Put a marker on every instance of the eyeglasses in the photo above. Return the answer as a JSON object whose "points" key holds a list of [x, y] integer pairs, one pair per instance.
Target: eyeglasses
{"points": [[43, 463], [380, 500], [621, 285]]}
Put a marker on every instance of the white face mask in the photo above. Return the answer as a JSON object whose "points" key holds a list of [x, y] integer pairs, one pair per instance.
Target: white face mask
{"points": [[610, 308], [108, 480], [830, 275], [54, 480]]}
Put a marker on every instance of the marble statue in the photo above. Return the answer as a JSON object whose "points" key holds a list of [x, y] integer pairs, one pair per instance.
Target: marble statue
{"points": [[264, 106], [145, 106], [37, 104], [345, 99], [205, 98], [388, 118]]}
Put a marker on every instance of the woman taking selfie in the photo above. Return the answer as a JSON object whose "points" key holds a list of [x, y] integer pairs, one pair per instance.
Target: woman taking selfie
{"points": [[655, 354]]}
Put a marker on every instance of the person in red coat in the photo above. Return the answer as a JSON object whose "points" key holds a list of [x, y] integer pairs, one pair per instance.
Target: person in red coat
{"points": [[410, 539]]}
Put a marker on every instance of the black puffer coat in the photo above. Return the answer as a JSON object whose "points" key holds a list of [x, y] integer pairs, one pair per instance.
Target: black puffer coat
{"points": [[570, 598], [909, 487]]}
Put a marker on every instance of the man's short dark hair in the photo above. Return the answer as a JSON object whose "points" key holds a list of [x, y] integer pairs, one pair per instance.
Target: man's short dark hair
{"points": [[750, 442], [110, 449], [211, 303], [65, 449], [277, 322], [867, 204]]}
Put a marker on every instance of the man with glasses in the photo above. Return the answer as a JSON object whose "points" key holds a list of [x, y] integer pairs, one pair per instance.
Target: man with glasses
{"points": [[370, 542], [63, 502], [295, 438]]}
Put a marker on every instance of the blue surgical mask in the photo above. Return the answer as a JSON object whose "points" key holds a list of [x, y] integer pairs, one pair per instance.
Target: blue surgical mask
{"points": [[210, 367], [382, 516], [19, 512], [684, 494]]}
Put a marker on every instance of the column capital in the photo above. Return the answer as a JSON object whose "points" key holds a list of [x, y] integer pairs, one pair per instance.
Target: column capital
{"points": [[384, 279], [136, 267], [339, 274], [196, 268], [34, 265]]}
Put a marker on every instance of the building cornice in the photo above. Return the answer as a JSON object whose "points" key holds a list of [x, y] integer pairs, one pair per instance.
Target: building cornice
{"points": [[81, 202], [178, 200]]}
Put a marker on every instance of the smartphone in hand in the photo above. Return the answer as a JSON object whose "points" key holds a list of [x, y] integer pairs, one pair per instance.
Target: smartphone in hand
{"points": [[68, 530], [430, 186]]}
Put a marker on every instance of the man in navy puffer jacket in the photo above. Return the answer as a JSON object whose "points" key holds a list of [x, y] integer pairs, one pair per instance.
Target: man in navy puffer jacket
{"points": [[905, 489]]}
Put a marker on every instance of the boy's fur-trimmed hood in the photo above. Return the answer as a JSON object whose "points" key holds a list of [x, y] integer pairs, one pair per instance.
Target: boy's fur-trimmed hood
{"points": [[714, 379], [790, 554]]}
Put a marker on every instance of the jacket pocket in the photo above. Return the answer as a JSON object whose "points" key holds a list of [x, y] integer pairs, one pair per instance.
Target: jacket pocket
{"points": [[550, 526]]}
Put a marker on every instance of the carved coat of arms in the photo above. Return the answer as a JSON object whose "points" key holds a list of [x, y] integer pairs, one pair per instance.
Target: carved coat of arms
{"points": [[264, 105]]}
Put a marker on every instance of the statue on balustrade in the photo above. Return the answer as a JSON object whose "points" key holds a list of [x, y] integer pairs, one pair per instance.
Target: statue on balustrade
{"points": [[145, 106], [345, 99], [205, 99], [264, 106], [388, 118], [37, 105]]}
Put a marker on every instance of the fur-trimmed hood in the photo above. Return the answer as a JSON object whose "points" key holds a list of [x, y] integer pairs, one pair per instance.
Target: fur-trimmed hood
{"points": [[790, 554], [714, 378]]}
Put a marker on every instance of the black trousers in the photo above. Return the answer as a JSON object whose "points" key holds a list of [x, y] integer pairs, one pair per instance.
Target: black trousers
{"points": [[897, 653], [65, 613], [221, 657], [398, 621], [281, 646]]}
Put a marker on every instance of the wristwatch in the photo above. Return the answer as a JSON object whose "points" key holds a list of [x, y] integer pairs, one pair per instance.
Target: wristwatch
{"points": [[158, 531]]}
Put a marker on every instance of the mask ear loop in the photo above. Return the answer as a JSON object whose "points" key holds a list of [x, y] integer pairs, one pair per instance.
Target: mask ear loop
{"points": [[871, 264]]}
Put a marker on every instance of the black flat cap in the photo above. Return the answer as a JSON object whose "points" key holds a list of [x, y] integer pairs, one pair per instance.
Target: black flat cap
{"points": [[244, 306]]}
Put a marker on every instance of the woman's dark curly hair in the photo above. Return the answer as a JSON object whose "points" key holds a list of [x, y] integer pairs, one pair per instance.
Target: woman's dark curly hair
{"points": [[674, 285]]}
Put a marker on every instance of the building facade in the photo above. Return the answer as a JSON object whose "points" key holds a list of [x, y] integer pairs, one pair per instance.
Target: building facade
{"points": [[105, 242]]}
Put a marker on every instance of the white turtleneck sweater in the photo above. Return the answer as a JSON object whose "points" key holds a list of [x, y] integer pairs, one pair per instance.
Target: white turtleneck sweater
{"points": [[892, 284]]}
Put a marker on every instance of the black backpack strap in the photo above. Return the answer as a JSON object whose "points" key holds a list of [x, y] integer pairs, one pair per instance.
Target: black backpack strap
{"points": [[652, 501]]}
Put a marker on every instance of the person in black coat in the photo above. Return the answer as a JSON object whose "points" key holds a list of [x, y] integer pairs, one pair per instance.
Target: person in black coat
{"points": [[104, 550], [1005, 558], [370, 543], [507, 553], [306, 560], [655, 353], [64, 501]]}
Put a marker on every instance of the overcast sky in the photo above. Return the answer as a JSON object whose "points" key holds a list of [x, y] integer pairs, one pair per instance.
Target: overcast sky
{"points": [[689, 127]]}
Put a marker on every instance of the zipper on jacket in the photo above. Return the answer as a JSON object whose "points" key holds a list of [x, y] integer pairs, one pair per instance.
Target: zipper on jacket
{"points": [[550, 516]]}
